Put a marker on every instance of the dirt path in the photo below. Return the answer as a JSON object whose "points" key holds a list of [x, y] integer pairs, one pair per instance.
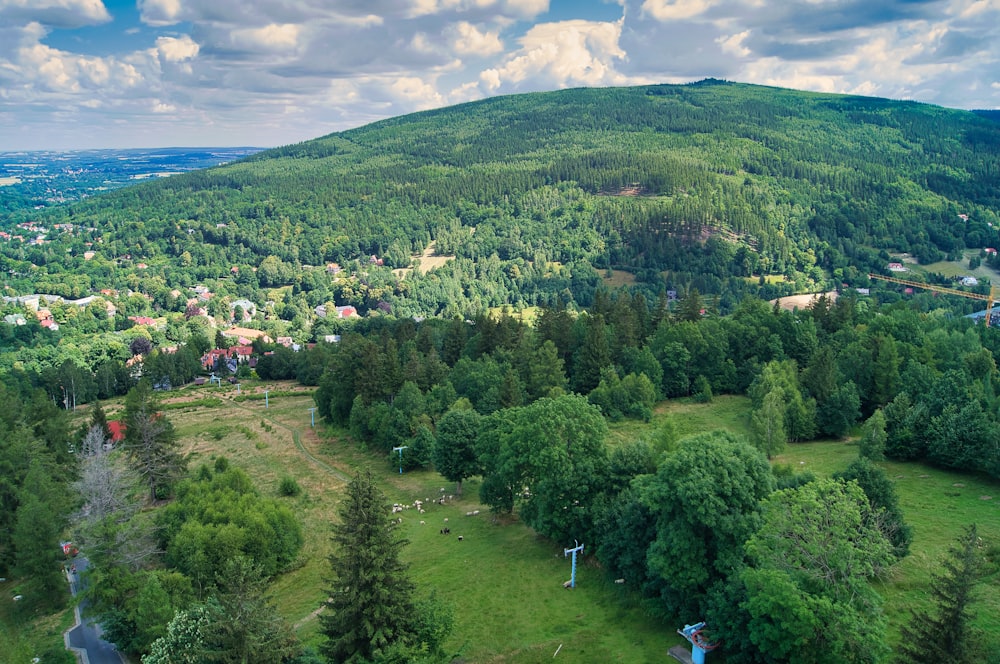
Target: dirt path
{"points": [[297, 439]]}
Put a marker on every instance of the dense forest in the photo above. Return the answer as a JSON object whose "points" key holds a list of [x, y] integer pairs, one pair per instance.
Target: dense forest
{"points": [[700, 185]]}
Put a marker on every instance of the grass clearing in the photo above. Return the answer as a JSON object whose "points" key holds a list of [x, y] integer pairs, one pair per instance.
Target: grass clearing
{"points": [[617, 278], [500, 574]]}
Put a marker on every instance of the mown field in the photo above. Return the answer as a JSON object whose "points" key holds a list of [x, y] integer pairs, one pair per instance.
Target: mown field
{"points": [[504, 582]]}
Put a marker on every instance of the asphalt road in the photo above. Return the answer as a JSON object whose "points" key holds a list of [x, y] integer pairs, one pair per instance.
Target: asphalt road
{"points": [[85, 638]]}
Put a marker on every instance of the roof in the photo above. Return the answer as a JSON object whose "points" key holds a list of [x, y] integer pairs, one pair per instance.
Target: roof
{"points": [[117, 429]]}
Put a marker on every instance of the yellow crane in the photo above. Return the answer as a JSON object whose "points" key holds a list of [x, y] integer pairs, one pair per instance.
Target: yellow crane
{"points": [[989, 298]]}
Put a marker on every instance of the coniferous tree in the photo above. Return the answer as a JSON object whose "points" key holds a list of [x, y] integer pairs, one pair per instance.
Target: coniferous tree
{"points": [[942, 634], [150, 440], [370, 606]]}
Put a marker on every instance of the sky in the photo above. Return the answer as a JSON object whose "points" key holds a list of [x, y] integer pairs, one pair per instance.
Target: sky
{"points": [[78, 74]]}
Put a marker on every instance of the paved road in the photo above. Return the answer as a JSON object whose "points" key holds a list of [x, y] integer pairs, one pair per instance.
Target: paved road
{"points": [[85, 639]]}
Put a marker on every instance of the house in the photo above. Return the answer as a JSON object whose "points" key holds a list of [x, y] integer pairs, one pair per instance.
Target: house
{"points": [[990, 251], [15, 319], [863, 291], [284, 341], [212, 358], [332, 268], [347, 311], [87, 255], [241, 353], [969, 281], [249, 308], [143, 320], [895, 267], [331, 338]]}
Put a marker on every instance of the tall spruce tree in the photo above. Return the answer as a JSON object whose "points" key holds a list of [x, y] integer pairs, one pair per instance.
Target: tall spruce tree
{"points": [[370, 606], [150, 440], [942, 635]]}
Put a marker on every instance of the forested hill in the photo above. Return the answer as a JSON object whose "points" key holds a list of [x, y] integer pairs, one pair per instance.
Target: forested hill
{"points": [[697, 185]]}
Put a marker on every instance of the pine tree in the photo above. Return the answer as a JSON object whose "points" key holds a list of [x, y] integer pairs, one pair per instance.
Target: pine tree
{"points": [[942, 635], [150, 440], [370, 605]]}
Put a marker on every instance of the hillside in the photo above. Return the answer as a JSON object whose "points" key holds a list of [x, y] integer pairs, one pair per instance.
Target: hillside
{"points": [[699, 185]]}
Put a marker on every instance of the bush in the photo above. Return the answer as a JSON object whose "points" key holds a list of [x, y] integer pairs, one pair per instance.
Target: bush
{"points": [[289, 487]]}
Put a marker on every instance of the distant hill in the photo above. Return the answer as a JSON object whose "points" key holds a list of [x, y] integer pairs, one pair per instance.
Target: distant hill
{"points": [[991, 114], [713, 185]]}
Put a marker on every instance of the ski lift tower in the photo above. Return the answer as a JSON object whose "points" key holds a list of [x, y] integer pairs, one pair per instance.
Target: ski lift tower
{"points": [[700, 644], [212, 378], [574, 551], [400, 450]]}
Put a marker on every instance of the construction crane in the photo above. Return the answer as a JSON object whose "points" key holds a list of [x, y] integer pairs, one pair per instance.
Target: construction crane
{"points": [[989, 298]]}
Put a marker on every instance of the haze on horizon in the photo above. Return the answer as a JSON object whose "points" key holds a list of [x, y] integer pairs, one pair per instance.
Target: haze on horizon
{"points": [[78, 74]]}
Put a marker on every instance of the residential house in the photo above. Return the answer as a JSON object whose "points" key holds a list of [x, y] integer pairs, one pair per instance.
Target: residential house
{"points": [[249, 308], [896, 267], [347, 311]]}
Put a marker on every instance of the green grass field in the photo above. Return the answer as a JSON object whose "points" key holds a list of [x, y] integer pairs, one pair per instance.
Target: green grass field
{"points": [[505, 583]]}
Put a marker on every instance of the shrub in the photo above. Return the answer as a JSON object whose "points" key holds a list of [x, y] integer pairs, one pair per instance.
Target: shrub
{"points": [[289, 487]]}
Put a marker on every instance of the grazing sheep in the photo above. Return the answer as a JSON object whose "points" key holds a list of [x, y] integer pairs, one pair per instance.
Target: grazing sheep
{"points": [[422, 523], [460, 538], [446, 519], [446, 531], [568, 584]]}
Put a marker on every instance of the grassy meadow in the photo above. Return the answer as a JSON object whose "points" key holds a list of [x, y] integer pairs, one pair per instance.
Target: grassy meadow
{"points": [[504, 583]]}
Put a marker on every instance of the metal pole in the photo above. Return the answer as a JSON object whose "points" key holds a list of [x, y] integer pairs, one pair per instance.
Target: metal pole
{"points": [[400, 450], [566, 552], [265, 399], [312, 416]]}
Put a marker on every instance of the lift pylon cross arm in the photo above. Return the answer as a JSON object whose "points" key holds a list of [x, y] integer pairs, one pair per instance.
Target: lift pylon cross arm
{"points": [[989, 298]]}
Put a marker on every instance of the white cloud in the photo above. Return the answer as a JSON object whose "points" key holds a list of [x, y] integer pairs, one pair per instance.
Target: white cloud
{"points": [[525, 9], [57, 13], [176, 49], [467, 39], [160, 12], [273, 37], [733, 44], [564, 53], [669, 10]]}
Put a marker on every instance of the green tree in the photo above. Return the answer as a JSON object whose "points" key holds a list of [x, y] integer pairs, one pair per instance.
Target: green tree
{"points": [[36, 544], [370, 605], [246, 628], [454, 452], [808, 592], [881, 494], [150, 441], [943, 634], [840, 412], [705, 498], [873, 437], [555, 449], [767, 423]]}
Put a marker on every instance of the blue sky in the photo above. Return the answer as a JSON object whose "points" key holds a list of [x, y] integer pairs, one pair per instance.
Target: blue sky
{"points": [[146, 73]]}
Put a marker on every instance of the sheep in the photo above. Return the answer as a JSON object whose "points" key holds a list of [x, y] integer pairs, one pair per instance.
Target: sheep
{"points": [[446, 531], [446, 519], [460, 538], [422, 523]]}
